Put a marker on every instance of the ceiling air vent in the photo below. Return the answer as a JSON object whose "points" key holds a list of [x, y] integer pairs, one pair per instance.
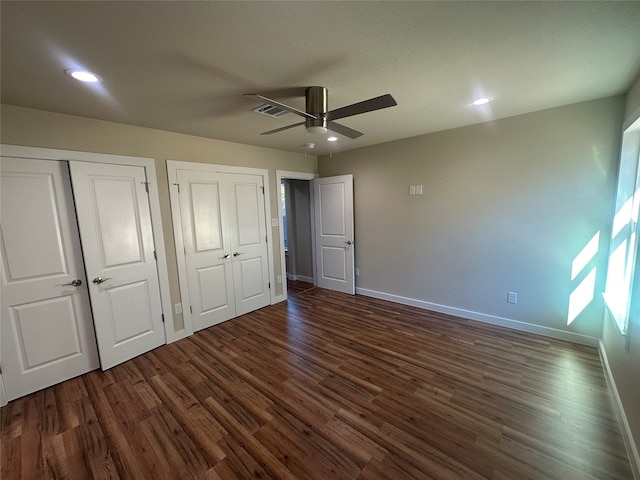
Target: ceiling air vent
{"points": [[270, 110]]}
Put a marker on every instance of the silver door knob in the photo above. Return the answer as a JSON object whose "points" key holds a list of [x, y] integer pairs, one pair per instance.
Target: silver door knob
{"points": [[349, 242], [224, 257], [99, 280], [76, 282], [237, 254]]}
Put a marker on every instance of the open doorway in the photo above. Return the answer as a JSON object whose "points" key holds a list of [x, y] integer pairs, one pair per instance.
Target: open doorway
{"points": [[297, 241]]}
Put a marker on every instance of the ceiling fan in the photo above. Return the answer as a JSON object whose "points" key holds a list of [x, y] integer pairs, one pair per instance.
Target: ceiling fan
{"points": [[318, 120]]}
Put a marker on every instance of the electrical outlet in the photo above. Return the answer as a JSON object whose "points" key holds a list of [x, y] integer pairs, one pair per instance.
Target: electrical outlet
{"points": [[177, 308], [512, 297], [357, 272], [279, 279]]}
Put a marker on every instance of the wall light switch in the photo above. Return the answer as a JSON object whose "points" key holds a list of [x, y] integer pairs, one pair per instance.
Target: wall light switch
{"points": [[418, 189], [275, 222], [412, 190], [177, 308], [512, 297]]}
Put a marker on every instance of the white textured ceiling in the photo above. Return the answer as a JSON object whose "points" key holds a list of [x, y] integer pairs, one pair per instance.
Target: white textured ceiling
{"points": [[183, 66]]}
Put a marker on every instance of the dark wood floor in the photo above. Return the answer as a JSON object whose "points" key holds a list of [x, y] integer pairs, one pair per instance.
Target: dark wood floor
{"points": [[328, 386]]}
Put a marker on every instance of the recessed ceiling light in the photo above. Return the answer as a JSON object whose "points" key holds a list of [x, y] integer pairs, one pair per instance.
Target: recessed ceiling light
{"points": [[332, 139], [83, 76], [481, 101]]}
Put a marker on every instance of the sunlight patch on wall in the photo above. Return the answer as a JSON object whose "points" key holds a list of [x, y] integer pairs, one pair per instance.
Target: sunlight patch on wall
{"points": [[583, 294], [585, 256], [623, 218]]}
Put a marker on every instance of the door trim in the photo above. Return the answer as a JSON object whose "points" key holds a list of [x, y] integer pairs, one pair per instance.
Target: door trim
{"points": [[281, 175], [172, 173], [154, 203]]}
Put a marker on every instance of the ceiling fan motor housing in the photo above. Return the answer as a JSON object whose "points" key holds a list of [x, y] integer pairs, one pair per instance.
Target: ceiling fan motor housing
{"points": [[316, 104]]}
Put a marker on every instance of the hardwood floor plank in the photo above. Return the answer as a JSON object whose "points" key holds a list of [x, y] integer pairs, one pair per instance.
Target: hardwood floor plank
{"points": [[97, 457], [55, 458], [239, 463], [11, 457], [173, 445], [103, 437], [201, 427], [258, 451], [328, 386], [72, 454], [307, 451]]}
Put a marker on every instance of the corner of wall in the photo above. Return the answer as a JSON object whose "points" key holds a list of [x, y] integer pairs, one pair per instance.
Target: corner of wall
{"points": [[3, 396]]}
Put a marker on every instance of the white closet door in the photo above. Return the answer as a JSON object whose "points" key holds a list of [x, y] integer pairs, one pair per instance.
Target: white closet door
{"points": [[333, 202], [115, 226], [207, 247], [47, 330], [247, 225]]}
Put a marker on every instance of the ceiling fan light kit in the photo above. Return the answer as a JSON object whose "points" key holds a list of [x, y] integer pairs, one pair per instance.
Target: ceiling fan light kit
{"points": [[316, 129], [318, 118]]}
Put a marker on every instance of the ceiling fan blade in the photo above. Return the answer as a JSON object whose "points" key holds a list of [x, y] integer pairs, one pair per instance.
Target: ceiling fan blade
{"points": [[342, 130], [282, 128], [383, 101], [256, 96]]}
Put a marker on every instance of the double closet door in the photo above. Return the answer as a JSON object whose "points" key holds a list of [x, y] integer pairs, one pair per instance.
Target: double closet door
{"points": [[224, 235], [79, 280]]}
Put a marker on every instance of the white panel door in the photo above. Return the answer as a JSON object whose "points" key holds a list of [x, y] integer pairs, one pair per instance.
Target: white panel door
{"points": [[117, 238], [47, 330], [333, 200], [207, 247], [247, 226]]}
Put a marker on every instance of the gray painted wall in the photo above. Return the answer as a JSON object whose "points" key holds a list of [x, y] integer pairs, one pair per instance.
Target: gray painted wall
{"points": [[507, 206]]}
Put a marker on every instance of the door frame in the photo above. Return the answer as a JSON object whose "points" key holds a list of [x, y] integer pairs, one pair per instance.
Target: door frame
{"points": [[154, 204], [282, 175], [172, 173]]}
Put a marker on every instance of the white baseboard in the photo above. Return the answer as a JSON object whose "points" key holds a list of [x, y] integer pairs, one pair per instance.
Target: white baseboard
{"points": [[630, 444], [300, 278], [483, 317]]}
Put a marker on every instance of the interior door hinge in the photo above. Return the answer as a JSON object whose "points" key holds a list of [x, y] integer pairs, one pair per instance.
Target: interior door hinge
{"points": [[155, 255], [146, 186], [177, 185], [163, 318], [190, 308], [269, 285], [262, 188]]}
